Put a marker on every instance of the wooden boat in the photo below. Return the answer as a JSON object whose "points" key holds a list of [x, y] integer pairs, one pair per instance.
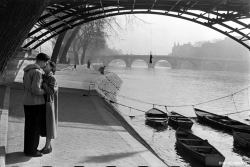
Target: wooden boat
{"points": [[177, 120], [242, 139], [156, 117], [198, 148], [222, 122]]}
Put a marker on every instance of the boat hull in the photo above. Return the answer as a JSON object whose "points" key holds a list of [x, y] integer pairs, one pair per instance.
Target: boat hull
{"points": [[210, 160], [214, 160], [242, 139], [177, 120], [221, 122], [156, 117], [180, 123], [200, 150], [156, 122]]}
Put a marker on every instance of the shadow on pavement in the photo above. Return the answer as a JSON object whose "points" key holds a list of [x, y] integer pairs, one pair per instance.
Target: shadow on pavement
{"points": [[16, 157], [73, 107], [16, 103], [91, 128], [108, 157]]}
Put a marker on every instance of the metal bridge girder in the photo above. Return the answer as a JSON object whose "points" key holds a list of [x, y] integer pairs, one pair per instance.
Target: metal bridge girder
{"points": [[226, 17]]}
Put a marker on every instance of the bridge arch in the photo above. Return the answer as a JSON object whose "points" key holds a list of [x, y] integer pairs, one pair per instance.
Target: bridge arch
{"points": [[116, 60], [160, 60], [62, 15], [138, 59]]}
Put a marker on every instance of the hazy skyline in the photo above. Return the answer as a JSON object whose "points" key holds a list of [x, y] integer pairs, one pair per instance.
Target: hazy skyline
{"points": [[158, 34]]}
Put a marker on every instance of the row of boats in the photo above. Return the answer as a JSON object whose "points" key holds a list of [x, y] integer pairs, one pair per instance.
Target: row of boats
{"points": [[195, 146]]}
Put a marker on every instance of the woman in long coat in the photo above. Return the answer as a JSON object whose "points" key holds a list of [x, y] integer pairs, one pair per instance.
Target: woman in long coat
{"points": [[49, 125]]}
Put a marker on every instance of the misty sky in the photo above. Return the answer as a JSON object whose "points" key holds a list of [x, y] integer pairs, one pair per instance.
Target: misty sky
{"points": [[157, 34]]}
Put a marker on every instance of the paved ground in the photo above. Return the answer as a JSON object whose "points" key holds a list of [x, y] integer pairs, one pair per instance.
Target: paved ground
{"points": [[87, 134]]}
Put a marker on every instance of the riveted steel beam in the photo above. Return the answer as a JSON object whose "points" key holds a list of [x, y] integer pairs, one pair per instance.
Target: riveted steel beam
{"points": [[118, 5], [177, 2], [146, 12], [102, 7], [72, 13], [133, 5], [55, 21], [57, 17], [58, 27], [153, 5]]}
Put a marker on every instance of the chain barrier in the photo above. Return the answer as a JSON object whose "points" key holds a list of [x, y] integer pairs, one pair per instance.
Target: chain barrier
{"points": [[185, 105]]}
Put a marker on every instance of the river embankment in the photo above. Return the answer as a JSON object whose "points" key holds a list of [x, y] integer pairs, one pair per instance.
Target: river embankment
{"points": [[88, 132], [179, 91]]}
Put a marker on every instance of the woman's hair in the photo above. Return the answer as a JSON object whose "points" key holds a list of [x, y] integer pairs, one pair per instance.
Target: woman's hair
{"points": [[53, 66]]}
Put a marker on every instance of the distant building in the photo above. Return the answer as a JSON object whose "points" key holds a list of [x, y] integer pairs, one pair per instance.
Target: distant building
{"points": [[226, 49]]}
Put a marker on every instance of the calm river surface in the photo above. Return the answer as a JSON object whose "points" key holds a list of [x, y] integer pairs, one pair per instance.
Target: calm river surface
{"points": [[180, 87]]}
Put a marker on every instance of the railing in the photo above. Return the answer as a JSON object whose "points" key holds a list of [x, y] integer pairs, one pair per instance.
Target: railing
{"points": [[109, 82]]}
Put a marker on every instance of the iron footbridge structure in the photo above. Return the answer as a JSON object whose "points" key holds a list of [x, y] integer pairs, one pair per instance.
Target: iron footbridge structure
{"points": [[229, 17]]}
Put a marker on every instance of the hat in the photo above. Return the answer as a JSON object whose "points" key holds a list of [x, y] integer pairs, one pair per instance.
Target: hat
{"points": [[42, 57]]}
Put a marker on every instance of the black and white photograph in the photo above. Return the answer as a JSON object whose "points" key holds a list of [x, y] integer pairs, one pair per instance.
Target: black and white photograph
{"points": [[125, 83]]}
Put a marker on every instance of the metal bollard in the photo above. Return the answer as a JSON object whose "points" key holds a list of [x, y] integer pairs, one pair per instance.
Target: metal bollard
{"points": [[91, 84]]}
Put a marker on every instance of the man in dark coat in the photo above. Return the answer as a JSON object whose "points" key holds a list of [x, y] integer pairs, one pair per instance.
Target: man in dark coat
{"points": [[34, 104]]}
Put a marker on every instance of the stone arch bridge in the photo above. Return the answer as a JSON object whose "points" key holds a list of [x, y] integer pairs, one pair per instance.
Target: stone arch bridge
{"points": [[129, 59], [174, 61], [52, 18]]}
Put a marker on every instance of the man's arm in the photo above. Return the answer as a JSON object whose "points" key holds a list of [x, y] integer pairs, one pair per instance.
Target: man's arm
{"points": [[36, 84]]}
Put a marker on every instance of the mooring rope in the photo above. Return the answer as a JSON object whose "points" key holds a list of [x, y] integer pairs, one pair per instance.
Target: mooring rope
{"points": [[237, 112], [164, 105], [111, 101], [145, 111], [185, 105]]}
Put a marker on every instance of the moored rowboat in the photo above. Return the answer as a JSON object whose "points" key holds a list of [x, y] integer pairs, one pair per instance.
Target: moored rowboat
{"points": [[242, 139], [223, 122], [199, 149], [177, 120], [156, 116]]}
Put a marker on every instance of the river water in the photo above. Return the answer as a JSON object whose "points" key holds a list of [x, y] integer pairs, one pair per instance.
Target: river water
{"points": [[174, 88]]}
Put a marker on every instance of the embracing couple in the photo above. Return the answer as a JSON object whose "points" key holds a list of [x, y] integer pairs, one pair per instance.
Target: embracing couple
{"points": [[40, 105]]}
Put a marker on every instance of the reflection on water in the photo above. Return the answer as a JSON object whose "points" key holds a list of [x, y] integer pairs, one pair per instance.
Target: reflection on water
{"points": [[157, 128], [244, 152], [178, 87]]}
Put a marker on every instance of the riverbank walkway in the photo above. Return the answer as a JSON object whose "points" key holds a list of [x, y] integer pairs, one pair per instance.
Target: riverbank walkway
{"points": [[88, 134]]}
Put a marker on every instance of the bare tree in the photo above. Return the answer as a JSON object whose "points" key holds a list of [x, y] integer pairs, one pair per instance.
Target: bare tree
{"points": [[92, 37], [57, 46], [68, 42], [92, 34]]}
